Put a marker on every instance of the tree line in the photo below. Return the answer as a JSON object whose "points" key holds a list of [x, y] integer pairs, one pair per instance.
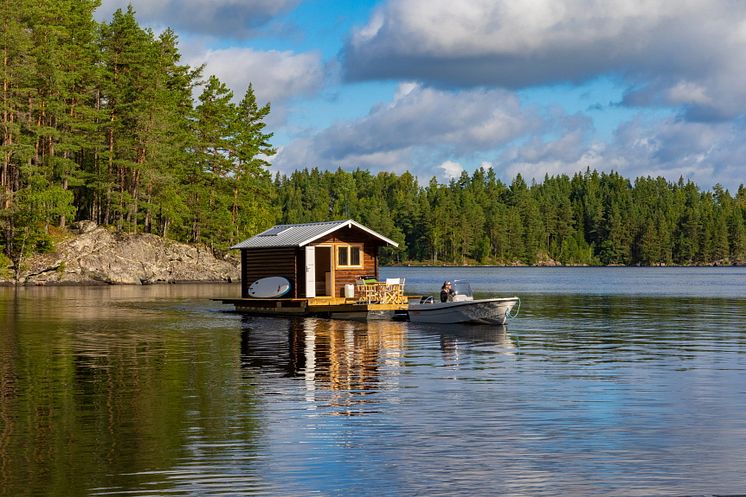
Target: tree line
{"points": [[103, 121], [589, 218], [99, 122]]}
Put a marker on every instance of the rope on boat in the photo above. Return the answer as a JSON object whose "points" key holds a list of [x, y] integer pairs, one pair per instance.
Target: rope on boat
{"points": [[510, 314]]}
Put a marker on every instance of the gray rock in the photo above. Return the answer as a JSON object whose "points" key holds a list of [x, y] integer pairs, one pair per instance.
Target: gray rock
{"points": [[97, 256]]}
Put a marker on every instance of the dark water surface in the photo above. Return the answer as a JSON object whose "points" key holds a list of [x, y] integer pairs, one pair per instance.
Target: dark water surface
{"points": [[612, 381]]}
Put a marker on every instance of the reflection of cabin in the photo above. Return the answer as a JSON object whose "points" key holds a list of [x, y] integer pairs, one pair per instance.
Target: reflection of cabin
{"points": [[318, 259], [341, 356]]}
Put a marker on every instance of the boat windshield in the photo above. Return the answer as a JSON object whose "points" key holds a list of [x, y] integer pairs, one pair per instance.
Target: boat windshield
{"points": [[462, 287]]}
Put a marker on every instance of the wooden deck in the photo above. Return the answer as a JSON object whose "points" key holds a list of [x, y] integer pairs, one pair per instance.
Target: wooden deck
{"points": [[329, 307]]}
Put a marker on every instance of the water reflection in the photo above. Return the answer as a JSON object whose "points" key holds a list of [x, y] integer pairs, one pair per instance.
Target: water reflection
{"points": [[457, 340], [622, 329], [157, 391], [348, 359], [104, 389], [695, 282]]}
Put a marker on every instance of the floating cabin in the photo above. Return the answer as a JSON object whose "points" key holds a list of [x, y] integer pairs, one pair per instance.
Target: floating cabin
{"points": [[332, 268]]}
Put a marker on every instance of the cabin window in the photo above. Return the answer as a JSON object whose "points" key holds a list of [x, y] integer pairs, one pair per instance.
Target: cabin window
{"points": [[349, 256], [343, 256], [355, 259]]}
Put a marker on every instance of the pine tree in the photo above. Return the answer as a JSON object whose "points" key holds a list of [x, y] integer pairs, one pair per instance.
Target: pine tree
{"points": [[16, 149], [250, 151], [216, 118]]}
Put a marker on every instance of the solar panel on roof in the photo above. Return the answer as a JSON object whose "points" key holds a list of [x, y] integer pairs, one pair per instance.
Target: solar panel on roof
{"points": [[275, 231]]}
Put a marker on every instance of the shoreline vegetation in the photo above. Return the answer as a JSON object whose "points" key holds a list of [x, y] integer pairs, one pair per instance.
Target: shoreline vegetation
{"points": [[89, 255], [99, 123]]}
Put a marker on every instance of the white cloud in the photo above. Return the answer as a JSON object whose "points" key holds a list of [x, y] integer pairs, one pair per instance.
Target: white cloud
{"points": [[705, 153], [419, 129], [224, 18], [432, 132], [276, 76], [687, 93], [405, 89], [451, 169], [686, 53]]}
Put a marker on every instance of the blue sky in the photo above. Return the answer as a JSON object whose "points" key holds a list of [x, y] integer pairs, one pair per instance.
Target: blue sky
{"points": [[435, 87]]}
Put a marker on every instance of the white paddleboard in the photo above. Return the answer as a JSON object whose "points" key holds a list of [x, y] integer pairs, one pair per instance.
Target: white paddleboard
{"points": [[268, 288]]}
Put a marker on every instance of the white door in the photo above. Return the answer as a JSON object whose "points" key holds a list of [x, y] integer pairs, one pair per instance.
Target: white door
{"points": [[310, 272]]}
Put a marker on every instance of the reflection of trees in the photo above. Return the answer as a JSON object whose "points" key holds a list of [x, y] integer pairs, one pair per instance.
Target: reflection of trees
{"points": [[264, 348], [111, 403], [340, 361]]}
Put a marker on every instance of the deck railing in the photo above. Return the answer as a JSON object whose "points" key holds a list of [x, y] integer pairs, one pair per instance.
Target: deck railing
{"points": [[390, 291]]}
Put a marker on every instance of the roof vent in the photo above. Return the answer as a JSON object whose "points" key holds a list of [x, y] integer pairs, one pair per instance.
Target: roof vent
{"points": [[275, 231]]}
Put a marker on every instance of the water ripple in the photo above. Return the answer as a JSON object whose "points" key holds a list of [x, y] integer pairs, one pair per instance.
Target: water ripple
{"points": [[165, 394]]}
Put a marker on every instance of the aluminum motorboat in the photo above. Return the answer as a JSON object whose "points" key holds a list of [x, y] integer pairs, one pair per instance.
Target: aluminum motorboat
{"points": [[461, 307]]}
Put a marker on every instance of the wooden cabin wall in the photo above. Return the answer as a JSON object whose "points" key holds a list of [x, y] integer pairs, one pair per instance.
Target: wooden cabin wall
{"points": [[264, 262], [370, 257], [300, 272], [370, 268]]}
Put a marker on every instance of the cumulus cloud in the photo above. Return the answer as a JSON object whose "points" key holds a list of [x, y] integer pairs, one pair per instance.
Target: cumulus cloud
{"points": [[685, 53], [451, 169], [432, 132], [702, 152], [224, 18], [420, 128], [276, 76]]}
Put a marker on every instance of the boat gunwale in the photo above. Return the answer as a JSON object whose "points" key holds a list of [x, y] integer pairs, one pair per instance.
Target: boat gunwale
{"points": [[450, 305]]}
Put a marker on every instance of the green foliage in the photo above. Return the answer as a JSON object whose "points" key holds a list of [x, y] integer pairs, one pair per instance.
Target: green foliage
{"points": [[5, 263], [99, 123], [589, 219]]}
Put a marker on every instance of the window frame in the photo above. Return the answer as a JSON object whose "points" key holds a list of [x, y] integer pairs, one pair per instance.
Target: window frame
{"points": [[347, 247]]}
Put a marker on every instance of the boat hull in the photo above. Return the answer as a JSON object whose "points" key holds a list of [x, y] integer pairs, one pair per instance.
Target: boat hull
{"points": [[484, 311]]}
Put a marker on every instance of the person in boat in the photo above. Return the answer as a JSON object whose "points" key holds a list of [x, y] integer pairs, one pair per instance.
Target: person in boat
{"points": [[446, 292]]}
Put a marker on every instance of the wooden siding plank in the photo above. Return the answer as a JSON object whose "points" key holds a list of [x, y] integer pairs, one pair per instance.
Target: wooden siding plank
{"points": [[344, 276], [289, 262], [263, 263]]}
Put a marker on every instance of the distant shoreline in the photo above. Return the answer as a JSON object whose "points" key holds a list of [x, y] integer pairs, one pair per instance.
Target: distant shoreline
{"points": [[94, 283]]}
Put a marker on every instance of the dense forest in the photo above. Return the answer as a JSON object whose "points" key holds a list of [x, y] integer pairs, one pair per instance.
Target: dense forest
{"points": [[99, 122], [590, 218], [103, 121]]}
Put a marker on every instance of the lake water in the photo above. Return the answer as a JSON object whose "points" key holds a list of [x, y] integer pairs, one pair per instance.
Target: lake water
{"points": [[611, 381]]}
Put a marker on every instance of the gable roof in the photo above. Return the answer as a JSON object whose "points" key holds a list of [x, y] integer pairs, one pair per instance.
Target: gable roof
{"points": [[299, 235]]}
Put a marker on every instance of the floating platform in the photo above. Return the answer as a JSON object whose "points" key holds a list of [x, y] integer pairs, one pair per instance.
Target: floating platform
{"points": [[326, 307]]}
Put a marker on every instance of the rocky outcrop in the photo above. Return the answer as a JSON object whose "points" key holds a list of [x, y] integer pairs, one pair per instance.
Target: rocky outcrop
{"points": [[95, 255], [544, 260]]}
